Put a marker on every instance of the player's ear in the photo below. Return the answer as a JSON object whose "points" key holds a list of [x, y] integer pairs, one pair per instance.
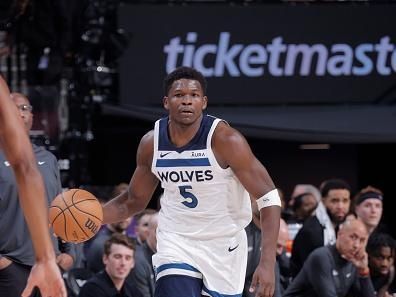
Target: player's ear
{"points": [[165, 102], [205, 102], [104, 259]]}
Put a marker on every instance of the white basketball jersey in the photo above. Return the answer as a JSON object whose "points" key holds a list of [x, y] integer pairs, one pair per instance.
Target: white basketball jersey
{"points": [[201, 199]]}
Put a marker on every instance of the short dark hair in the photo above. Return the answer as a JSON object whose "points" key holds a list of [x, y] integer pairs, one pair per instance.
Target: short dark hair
{"points": [[333, 184], [187, 73], [378, 240], [118, 238], [299, 199]]}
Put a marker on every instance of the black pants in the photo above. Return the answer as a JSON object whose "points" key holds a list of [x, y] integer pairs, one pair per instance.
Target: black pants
{"points": [[13, 280]]}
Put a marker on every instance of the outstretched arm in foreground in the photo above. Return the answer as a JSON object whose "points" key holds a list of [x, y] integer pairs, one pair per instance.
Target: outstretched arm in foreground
{"points": [[14, 140], [231, 149], [141, 187]]}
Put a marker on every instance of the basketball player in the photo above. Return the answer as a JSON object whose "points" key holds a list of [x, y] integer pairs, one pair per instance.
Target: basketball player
{"points": [[205, 168], [45, 273]]}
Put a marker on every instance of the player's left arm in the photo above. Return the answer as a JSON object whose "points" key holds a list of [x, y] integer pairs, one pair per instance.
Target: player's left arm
{"points": [[231, 149]]}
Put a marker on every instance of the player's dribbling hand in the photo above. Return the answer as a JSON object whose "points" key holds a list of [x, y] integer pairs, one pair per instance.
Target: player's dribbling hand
{"points": [[46, 276], [263, 283]]}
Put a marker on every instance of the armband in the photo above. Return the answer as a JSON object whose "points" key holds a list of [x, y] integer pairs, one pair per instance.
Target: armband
{"points": [[269, 199]]}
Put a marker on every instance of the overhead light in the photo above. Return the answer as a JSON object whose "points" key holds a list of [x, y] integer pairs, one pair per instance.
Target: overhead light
{"points": [[316, 146]]}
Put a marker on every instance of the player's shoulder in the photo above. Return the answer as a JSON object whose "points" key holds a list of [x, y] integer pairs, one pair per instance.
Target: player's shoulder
{"points": [[225, 134], [148, 138], [146, 148]]}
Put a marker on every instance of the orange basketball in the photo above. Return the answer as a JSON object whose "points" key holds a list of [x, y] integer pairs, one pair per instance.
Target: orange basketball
{"points": [[75, 215]]}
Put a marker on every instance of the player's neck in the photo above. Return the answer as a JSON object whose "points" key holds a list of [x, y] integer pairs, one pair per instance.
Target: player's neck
{"points": [[181, 135]]}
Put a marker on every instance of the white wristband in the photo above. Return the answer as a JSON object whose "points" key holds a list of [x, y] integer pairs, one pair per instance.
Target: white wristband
{"points": [[269, 199]]}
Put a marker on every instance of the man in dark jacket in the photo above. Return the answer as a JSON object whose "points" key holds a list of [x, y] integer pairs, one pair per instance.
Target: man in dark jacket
{"points": [[320, 229], [336, 270], [118, 259]]}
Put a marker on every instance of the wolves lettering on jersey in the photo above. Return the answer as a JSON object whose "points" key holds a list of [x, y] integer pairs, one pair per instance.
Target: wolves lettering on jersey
{"points": [[185, 176], [169, 159]]}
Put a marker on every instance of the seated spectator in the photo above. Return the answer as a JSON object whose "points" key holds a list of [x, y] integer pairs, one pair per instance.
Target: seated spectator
{"points": [[295, 221], [303, 207], [336, 270], [320, 229], [381, 254], [254, 235], [283, 257], [94, 254], [367, 205], [143, 273], [304, 188], [142, 224], [118, 260]]}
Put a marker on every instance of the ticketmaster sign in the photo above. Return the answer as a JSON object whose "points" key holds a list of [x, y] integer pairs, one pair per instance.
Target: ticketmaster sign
{"points": [[281, 59], [263, 54]]}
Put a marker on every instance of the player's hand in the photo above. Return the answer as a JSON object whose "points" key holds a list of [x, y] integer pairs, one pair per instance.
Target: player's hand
{"points": [[47, 277], [263, 283]]}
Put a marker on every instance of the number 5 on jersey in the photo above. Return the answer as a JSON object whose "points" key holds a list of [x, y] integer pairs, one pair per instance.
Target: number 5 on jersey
{"points": [[190, 200]]}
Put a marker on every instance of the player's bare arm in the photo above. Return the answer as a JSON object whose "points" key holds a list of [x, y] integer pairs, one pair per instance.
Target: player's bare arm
{"points": [[141, 187], [231, 149]]}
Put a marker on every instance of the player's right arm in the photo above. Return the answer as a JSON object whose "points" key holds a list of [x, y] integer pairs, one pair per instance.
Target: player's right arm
{"points": [[17, 148], [141, 187]]}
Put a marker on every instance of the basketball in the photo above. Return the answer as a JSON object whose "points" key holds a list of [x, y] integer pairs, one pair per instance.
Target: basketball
{"points": [[75, 215]]}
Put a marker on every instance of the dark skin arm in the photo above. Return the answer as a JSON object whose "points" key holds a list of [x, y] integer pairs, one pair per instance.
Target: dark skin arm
{"points": [[141, 187], [16, 145], [232, 150]]}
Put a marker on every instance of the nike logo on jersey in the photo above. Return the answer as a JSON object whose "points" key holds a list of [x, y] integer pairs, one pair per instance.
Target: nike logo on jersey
{"points": [[234, 248], [6, 163], [164, 154], [40, 162]]}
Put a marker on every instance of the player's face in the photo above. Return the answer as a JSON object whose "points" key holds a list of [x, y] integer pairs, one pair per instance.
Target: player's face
{"points": [[337, 203], [25, 111], [119, 262], [370, 211], [185, 101], [382, 261]]}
